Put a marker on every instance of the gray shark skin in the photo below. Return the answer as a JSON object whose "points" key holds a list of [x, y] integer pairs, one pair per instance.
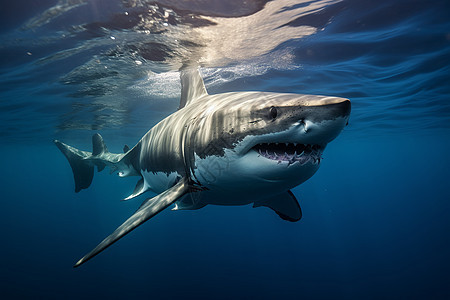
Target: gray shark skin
{"points": [[233, 148]]}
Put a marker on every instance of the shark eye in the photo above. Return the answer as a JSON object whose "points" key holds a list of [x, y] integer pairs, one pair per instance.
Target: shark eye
{"points": [[273, 113]]}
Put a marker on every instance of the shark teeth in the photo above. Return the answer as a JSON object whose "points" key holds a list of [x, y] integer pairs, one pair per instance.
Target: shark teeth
{"points": [[290, 152]]}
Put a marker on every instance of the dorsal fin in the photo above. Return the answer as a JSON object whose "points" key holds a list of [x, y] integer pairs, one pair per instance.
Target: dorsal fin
{"points": [[192, 86]]}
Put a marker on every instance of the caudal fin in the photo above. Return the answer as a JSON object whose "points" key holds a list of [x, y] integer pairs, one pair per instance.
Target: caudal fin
{"points": [[83, 169], [83, 172], [83, 162]]}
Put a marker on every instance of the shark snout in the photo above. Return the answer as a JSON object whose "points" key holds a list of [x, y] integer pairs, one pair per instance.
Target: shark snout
{"points": [[344, 108], [328, 108], [325, 120]]}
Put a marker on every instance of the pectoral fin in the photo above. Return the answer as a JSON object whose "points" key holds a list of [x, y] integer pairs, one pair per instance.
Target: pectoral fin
{"points": [[285, 205], [148, 209]]}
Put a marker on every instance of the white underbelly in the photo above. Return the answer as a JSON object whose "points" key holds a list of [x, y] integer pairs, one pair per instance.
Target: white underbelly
{"points": [[240, 180], [158, 182]]}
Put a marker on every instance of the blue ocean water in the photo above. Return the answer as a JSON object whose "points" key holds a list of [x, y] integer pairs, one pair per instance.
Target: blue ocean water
{"points": [[375, 216]]}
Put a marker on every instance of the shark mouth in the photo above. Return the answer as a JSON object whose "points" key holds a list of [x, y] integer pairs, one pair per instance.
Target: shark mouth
{"points": [[290, 152]]}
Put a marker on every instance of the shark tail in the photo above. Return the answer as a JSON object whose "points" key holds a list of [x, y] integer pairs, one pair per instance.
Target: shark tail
{"points": [[83, 162]]}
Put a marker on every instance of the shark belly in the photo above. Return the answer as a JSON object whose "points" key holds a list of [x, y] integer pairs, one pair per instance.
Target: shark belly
{"points": [[230, 180], [159, 182]]}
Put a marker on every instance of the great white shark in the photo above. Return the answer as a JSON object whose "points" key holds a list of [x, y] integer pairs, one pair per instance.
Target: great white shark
{"points": [[234, 148]]}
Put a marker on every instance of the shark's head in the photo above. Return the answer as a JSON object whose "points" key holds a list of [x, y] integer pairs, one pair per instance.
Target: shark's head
{"points": [[271, 140]]}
